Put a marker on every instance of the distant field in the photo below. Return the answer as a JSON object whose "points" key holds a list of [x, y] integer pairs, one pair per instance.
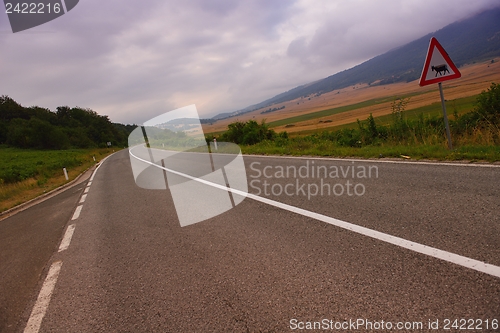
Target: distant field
{"points": [[460, 105], [25, 174], [324, 113], [343, 107]]}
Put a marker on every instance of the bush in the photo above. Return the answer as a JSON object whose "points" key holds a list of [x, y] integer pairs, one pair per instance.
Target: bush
{"points": [[488, 106], [248, 133], [483, 123]]}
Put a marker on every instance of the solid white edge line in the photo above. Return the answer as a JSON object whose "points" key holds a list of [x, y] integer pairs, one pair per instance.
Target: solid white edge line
{"points": [[43, 300], [477, 265], [67, 238], [77, 212], [83, 198], [100, 163]]}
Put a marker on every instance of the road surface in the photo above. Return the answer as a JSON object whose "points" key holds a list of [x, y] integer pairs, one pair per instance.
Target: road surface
{"points": [[130, 267], [27, 242]]}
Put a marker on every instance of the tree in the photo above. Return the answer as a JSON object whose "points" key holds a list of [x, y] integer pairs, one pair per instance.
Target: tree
{"points": [[10, 109], [40, 128]]}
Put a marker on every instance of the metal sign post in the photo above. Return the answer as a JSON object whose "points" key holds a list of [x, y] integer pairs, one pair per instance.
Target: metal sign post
{"points": [[445, 116]]}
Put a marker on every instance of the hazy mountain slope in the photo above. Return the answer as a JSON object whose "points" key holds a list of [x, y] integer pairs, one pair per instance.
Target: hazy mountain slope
{"points": [[469, 40]]}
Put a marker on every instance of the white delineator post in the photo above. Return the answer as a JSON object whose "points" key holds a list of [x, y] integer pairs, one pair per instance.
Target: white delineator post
{"points": [[65, 173]]}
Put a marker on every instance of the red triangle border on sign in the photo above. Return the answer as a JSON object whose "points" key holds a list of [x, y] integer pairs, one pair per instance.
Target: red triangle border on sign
{"points": [[432, 46]]}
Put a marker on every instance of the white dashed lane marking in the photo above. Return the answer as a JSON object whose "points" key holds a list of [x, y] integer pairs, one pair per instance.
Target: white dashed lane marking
{"points": [[83, 198], [77, 212], [43, 300], [67, 238]]}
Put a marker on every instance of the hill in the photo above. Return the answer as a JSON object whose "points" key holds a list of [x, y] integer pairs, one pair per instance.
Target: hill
{"points": [[470, 40]]}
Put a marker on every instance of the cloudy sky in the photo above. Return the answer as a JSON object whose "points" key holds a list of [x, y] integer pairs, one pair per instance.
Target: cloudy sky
{"points": [[133, 60]]}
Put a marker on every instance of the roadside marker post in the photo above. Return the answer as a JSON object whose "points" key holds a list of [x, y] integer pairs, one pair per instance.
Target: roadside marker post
{"points": [[439, 67], [65, 174]]}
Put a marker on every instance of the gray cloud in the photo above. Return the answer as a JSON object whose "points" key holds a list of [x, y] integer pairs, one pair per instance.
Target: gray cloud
{"points": [[133, 60]]}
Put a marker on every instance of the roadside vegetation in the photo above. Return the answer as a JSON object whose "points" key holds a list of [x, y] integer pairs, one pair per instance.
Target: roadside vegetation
{"points": [[26, 173], [248, 133], [37, 143], [475, 135]]}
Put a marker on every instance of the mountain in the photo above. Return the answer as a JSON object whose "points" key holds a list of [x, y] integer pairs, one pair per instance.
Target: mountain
{"points": [[473, 39]]}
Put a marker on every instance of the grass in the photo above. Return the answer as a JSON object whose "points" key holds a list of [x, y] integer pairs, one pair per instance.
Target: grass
{"points": [[26, 174], [327, 148]]}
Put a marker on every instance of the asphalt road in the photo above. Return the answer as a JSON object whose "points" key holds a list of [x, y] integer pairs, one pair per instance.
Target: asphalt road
{"points": [[130, 267], [27, 242]]}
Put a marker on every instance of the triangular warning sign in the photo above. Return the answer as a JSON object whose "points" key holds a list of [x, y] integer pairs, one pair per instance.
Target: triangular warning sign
{"points": [[438, 66]]}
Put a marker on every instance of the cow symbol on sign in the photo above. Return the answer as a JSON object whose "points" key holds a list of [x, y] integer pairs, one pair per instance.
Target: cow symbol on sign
{"points": [[440, 69]]}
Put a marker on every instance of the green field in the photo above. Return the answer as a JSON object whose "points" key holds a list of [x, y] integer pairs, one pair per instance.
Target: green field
{"points": [[26, 173], [20, 164]]}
